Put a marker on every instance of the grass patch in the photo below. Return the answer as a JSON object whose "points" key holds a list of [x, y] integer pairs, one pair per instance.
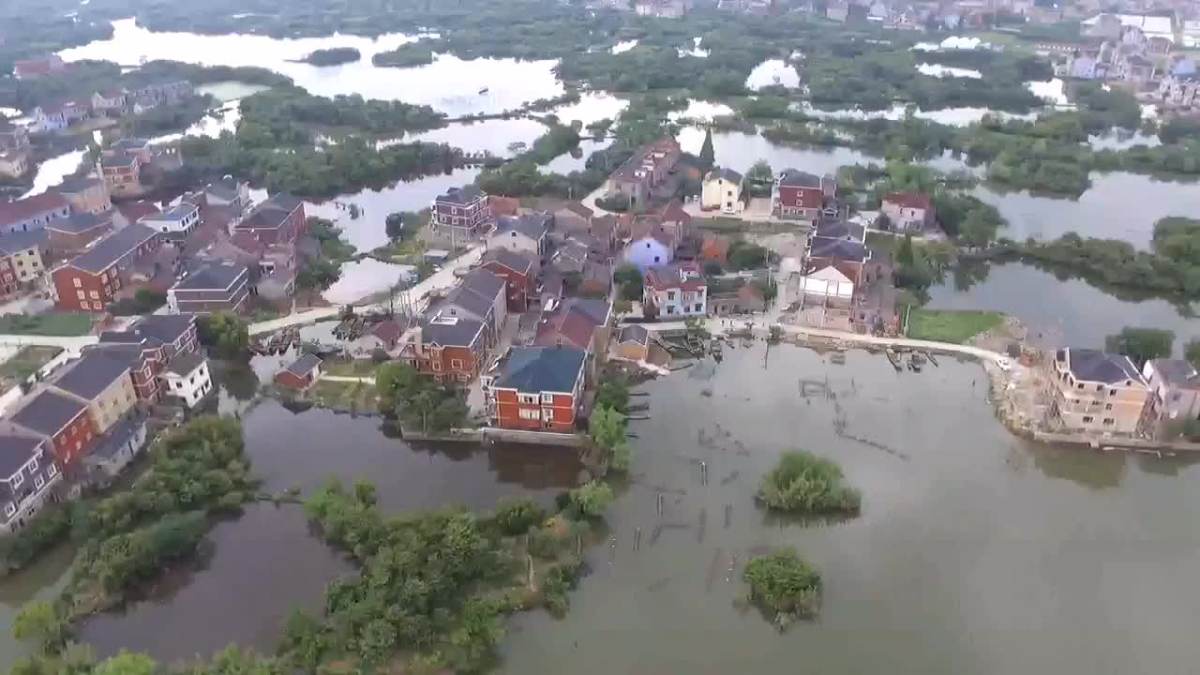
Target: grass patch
{"points": [[60, 324], [26, 362], [730, 225], [350, 368], [950, 326], [359, 396]]}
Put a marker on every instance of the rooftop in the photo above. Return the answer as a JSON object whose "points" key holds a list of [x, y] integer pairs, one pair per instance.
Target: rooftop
{"points": [[91, 375], [112, 248], [510, 259], [77, 223], [797, 178], [648, 156], [484, 283], [450, 331], [841, 229], [840, 249], [532, 225], [76, 184], [1093, 365], [461, 195], [272, 213], [634, 333], [178, 212], [15, 451], [15, 242], [304, 365], [538, 369], [116, 438], [218, 275], [185, 364], [23, 209], [725, 174], [164, 327], [48, 412], [1177, 372]]}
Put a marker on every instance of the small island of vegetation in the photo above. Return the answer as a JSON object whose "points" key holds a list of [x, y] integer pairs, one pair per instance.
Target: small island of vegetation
{"points": [[334, 56], [783, 586], [405, 56], [803, 483]]}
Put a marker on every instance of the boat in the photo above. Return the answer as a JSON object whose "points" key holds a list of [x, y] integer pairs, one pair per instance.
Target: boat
{"points": [[838, 358], [894, 359], [484, 90]]}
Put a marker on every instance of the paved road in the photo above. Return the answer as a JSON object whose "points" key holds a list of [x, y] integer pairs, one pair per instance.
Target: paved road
{"points": [[442, 279], [348, 378], [71, 344]]}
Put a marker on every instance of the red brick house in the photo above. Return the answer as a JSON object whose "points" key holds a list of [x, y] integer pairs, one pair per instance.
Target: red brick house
{"points": [[462, 213], [277, 220], [64, 420], [800, 195], [537, 389], [575, 323], [520, 276], [908, 211], [302, 374], [89, 281], [149, 345], [451, 349]]}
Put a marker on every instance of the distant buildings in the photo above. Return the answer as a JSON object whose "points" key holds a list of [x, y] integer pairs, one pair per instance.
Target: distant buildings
{"points": [[798, 195], [462, 213], [1098, 392], [722, 191], [672, 291], [646, 170], [908, 211]]}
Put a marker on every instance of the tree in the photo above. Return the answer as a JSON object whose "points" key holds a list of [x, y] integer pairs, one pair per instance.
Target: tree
{"points": [[394, 226], [629, 279], [805, 483], [1191, 352], [126, 663], [905, 256], [39, 623], [784, 586], [760, 177], [1141, 344], [613, 393], [592, 498], [225, 334], [515, 516], [607, 429], [707, 154]]}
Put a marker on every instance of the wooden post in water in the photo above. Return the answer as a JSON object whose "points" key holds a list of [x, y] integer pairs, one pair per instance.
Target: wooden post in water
{"points": [[529, 563], [637, 538], [704, 473], [660, 504]]}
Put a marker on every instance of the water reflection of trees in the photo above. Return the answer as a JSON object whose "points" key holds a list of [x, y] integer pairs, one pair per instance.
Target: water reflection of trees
{"points": [[1089, 468], [970, 272], [534, 467], [1167, 466]]}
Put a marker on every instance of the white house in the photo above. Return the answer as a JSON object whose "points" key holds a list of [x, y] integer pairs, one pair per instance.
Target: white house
{"points": [[653, 249], [722, 190], [187, 378], [176, 222], [526, 233], [675, 291], [116, 450], [1174, 388], [828, 284]]}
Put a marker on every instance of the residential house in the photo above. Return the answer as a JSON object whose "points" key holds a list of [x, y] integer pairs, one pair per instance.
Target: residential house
{"points": [[302, 374], [633, 343], [13, 136], [75, 232], [798, 195], [573, 217], [116, 450], [827, 285], [176, 222], [1095, 391], [160, 93], [229, 192], [1135, 69], [122, 171], [42, 66], [908, 211], [1182, 91], [90, 280], [187, 378], [462, 213], [527, 233], [519, 273], [1087, 66], [578, 322], [32, 213], [103, 383], [14, 163], [86, 194], [722, 191], [62, 419], [215, 286], [149, 345], [1175, 389], [277, 220], [21, 256], [381, 336], [177, 333], [646, 170], [744, 298], [111, 103], [128, 213], [846, 255], [28, 475], [656, 247], [537, 389], [480, 296], [449, 348], [675, 291], [503, 206], [59, 115], [714, 248]]}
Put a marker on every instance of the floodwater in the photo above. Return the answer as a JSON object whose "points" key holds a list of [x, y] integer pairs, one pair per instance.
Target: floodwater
{"points": [[938, 70], [42, 581], [267, 562], [492, 136], [52, 171], [217, 121], [1058, 310], [1117, 206], [473, 80], [362, 278], [771, 73], [576, 158], [975, 552]]}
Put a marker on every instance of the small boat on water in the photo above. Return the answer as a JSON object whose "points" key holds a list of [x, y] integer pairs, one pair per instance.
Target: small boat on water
{"points": [[484, 90], [916, 362], [838, 358]]}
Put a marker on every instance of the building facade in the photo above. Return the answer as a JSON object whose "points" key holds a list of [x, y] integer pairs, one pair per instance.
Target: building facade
{"points": [[1098, 392], [798, 195], [89, 281], [32, 213], [187, 378], [675, 291], [214, 287], [28, 475], [462, 213], [536, 389]]}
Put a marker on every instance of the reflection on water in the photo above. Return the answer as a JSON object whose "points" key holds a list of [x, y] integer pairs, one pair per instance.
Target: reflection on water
{"points": [[363, 278], [576, 158], [42, 581], [938, 70], [213, 124], [474, 87], [1059, 310], [703, 111], [1123, 139], [975, 552], [493, 136]]}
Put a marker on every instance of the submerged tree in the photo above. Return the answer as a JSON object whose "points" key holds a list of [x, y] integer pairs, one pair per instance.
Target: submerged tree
{"points": [[806, 484], [784, 586]]}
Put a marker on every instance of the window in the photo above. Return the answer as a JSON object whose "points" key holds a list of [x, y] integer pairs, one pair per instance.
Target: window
{"points": [[1108, 421], [33, 465], [1087, 419], [52, 471], [1099, 387], [80, 295], [10, 509], [547, 399], [437, 365], [670, 295], [95, 295], [1112, 392], [18, 479], [456, 364], [78, 283], [1079, 386], [1108, 406], [699, 307], [38, 482], [548, 414], [527, 414], [527, 399]]}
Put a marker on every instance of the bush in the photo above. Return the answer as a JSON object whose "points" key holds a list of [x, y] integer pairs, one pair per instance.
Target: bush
{"points": [[784, 586], [807, 484], [592, 498], [516, 516]]}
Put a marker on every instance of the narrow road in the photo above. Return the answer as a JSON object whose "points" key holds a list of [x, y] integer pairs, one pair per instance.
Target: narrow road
{"points": [[71, 344], [347, 378], [442, 279]]}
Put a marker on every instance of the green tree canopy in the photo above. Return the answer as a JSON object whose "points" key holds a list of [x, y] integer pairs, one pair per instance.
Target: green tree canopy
{"points": [[807, 484], [784, 586], [1141, 344]]}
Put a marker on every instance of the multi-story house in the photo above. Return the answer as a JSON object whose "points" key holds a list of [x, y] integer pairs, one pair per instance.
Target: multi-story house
{"points": [[75, 232], [798, 195], [176, 222], [1175, 389], [60, 115], [103, 383], [527, 233], [908, 211], [149, 345], [14, 163], [90, 280], [1180, 90], [450, 349], [519, 273], [122, 172], [675, 291], [722, 191], [213, 287], [1098, 392], [32, 213], [32, 69], [13, 137], [278, 220], [462, 213], [187, 378], [110, 103], [837, 246], [27, 477], [576, 322], [86, 194], [536, 389], [62, 419], [646, 170], [480, 296], [21, 255]]}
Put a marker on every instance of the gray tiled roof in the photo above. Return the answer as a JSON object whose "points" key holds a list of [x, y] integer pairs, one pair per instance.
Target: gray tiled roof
{"points": [[112, 248], [538, 369], [48, 412], [450, 331], [184, 364], [840, 229], [211, 276], [484, 283], [15, 242], [91, 375], [1093, 365], [164, 327], [115, 439], [634, 333], [461, 195], [1177, 372], [78, 222], [726, 173], [841, 249], [532, 225], [304, 365], [796, 178], [15, 451], [510, 259]]}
